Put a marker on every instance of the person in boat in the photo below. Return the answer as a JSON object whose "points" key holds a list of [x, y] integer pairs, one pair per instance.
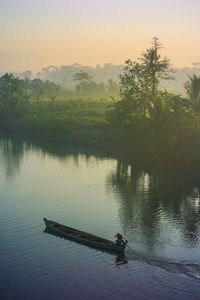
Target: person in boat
{"points": [[119, 240]]}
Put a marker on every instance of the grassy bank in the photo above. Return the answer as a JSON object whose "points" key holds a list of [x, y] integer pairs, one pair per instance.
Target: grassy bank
{"points": [[84, 123], [81, 122]]}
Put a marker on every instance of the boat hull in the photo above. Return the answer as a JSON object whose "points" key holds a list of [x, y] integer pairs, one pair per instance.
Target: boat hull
{"points": [[82, 237]]}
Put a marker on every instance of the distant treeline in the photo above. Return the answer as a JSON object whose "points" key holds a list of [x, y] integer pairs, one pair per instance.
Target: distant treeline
{"points": [[137, 118], [64, 75], [37, 89]]}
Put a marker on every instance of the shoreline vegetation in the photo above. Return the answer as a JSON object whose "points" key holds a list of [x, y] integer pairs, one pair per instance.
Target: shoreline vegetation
{"points": [[147, 123]]}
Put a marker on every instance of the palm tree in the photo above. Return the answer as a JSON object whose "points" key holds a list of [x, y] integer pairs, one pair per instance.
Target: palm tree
{"points": [[192, 87]]}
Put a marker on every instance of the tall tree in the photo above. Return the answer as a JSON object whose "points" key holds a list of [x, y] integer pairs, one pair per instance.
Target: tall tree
{"points": [[156, 67], [141, 79]]}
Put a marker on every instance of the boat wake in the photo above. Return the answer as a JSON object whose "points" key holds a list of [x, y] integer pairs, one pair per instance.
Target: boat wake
{"points": [[188, 269], [178, 267]]}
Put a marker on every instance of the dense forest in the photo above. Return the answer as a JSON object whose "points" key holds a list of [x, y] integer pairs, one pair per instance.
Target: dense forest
{"points": [[134, 117]]}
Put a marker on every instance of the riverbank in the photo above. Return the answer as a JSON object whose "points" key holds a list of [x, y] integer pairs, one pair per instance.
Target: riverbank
{"points": [[84, 124]]}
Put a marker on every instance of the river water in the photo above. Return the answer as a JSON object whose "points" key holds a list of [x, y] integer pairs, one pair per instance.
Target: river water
{"points": [[159, 214]]}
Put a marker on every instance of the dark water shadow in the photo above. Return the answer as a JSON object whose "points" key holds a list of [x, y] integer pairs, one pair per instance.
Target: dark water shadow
{"points": [[145, 197]]}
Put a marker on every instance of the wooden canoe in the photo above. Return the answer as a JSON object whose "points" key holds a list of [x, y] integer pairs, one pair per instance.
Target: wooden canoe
{"points": [[82, 237]]}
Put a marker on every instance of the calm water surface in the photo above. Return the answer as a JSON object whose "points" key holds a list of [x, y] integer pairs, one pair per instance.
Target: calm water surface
{"points": [[158, 213]]}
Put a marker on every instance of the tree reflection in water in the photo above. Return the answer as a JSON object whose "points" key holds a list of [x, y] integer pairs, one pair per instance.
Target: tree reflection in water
{"points": [[11, 153], [157, 207]]}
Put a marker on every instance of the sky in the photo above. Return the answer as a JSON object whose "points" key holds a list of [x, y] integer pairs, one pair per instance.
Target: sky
{"points": [[38, 33]]}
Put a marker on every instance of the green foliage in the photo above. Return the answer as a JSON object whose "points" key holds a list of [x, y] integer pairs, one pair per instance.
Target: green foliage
{"points": [[37, 87], [192, 87], [78, 121], [150, 120], [140, 82], [155, 67], [52, 90], [90, 88], [13, 93], [112, 88]]}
